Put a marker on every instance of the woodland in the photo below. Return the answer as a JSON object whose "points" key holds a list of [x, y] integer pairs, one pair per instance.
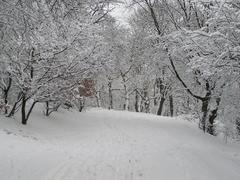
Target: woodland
{"points": [[174, 58]]}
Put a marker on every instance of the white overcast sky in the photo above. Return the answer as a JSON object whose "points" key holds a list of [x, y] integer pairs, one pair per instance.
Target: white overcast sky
{"points": [[121, 13]]}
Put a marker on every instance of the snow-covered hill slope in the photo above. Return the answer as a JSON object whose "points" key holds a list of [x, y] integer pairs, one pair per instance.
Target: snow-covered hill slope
{"points": [[112, 145]]}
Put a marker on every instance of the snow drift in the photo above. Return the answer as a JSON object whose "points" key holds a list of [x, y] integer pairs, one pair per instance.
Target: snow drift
{"points": [[112, 145]]}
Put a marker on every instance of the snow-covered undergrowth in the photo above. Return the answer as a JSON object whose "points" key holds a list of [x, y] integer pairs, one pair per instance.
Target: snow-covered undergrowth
{"points": [[112, 145]]}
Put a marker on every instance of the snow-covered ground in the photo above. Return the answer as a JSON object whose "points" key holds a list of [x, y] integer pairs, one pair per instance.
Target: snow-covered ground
{"points": [[112, 145]]}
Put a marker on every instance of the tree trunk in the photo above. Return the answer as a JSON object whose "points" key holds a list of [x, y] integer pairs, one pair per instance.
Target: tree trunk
{"points": [[5, 94], [155, 88], [13, 110], [23, 110], [147, 105], [47, 109], [19, 98], [171, 105], [25, 116], [202, 124], [81, 104], [50, 110], [30, 110], [80, 108], [137, 103], [160, 108], [212, 117], [238, 125], [98, 99], [146, 101], [126, 104], [5, 101], [110, 95]]}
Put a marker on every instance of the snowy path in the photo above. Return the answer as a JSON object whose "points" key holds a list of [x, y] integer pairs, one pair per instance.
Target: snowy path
{"points": [[112, 145]]}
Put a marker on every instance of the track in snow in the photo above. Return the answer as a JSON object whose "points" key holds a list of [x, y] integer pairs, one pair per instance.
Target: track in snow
{"points": [[113, 145]]}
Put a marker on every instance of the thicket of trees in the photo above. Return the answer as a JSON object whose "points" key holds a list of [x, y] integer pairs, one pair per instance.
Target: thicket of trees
{"points": [[176, 57], [47, 49]]}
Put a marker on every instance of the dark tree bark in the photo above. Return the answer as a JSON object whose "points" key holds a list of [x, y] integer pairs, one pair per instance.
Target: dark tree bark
{"points": [[23, 110], [238, 125], [110, 95], [154, 17], [81, 108], [162, 89], [171, 105], [137, 99], [5, 101], [50, 110], [81, 104], [212, 117], [5, 91], [160, 108], [205, 104], [25, 114], [30, 110], [47, 109], [12, 112], [126, 102]]}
